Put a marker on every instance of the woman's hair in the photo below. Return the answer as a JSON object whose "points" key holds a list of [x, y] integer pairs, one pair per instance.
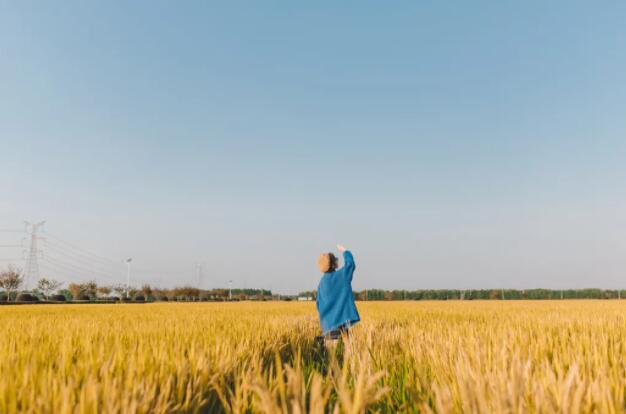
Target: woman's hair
{"points": [[327, 262]]}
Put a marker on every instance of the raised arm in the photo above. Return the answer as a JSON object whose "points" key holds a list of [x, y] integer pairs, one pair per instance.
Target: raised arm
{"points": [[348, 261]]}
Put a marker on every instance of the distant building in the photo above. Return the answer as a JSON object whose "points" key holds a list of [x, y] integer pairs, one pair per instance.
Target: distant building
{"points": [[304, 298]]}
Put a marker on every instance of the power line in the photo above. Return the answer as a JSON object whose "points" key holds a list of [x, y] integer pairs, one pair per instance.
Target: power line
{"points": [[80, 259], [103, 266], [81, 249], [79, 268], [64, 271], [79, 253], [86, 262], [162, 272], [117, 264], [61, 270]]}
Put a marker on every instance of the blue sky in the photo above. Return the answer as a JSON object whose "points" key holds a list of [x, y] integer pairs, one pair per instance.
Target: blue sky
{"points": [[448, 144]]}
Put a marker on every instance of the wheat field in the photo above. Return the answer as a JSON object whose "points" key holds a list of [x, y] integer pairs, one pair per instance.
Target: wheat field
{"points": [[473, 357]]}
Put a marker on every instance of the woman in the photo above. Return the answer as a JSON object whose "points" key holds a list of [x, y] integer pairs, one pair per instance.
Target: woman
{"points": [[335, 300]]}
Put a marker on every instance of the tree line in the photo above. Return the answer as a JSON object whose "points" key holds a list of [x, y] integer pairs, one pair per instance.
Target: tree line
{"points": [[11, 282], [482, 294]]}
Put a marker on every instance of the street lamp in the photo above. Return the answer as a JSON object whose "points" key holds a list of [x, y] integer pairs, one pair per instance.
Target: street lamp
{"points": [[128, 274]]}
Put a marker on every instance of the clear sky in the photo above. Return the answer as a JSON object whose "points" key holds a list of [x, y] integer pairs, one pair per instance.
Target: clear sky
{"points": [[448, 144]]}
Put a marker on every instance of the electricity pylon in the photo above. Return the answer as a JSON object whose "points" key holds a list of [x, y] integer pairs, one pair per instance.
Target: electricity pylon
{"points": [[32, 265]]}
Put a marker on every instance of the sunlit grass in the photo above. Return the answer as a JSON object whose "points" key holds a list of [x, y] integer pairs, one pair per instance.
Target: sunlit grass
{"points": [[560, 356]]}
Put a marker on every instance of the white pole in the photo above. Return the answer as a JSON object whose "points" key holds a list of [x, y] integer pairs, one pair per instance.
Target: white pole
{"points": [[128, 275], [230, 288]]}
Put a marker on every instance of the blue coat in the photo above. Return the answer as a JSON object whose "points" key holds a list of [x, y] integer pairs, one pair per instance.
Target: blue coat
{"points": [[335, 301]]}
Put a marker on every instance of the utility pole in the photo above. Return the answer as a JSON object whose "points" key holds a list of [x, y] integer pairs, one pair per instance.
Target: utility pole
{"points": [[230, 290], [32, 265], [199, 274], [130, 259]]}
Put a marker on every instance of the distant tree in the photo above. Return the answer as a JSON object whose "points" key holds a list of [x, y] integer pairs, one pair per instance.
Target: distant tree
{"points": [[76, 289], [11, 280], [147, 291], [120, 290], [481, 294], [104, 291], [186, 292], [66, 293], [159, 293], [132, 292], [306, 293], [397, 295], [220, 293], [47, 286], [90, 289]]}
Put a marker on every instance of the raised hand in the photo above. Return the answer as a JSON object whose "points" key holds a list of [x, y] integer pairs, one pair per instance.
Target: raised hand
{"points": [[341, 248]]}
